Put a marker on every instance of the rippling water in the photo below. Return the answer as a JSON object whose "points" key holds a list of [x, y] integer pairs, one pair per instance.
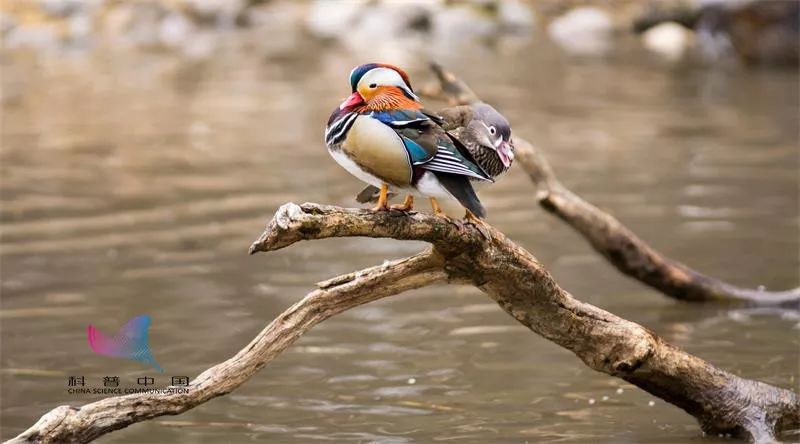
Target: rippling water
{"points": [[134, 183]]}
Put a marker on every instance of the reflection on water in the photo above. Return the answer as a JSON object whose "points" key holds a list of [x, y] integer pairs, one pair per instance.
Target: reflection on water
{"points": [[134, 183]]}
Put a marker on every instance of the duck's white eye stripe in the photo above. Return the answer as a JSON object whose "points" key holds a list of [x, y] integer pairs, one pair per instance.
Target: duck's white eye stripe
{"points": [[382, 76]]}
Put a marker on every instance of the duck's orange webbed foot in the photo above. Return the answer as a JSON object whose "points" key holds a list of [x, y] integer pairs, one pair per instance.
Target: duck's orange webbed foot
{"points": [[437, 210], [407, 204], [383, 199]]}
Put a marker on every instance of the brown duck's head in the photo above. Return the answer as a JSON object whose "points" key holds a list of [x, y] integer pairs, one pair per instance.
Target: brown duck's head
{"points": [[492, 132]]}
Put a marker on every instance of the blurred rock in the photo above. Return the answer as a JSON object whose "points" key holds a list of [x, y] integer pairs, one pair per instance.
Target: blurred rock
{"points": [[757, 32], [66, 8], [329, 20], [584, 31], [7, 23], [425, 24], [80, 27], [175, 30], [135, 24], [222, 13], [39, 36], [401, 29], [515, 15], [462, 22], [669, 40], [621, 12], [286, 22], [754, 32], [202, 44]]}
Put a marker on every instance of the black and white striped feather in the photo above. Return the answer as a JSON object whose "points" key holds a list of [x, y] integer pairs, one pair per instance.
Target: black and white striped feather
{"points": [[336, 132]]}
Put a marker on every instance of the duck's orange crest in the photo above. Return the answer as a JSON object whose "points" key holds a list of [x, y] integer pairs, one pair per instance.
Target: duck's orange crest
{"points": [[390, 97]]}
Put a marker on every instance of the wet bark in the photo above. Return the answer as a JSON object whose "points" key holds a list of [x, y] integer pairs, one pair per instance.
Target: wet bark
{"points": [[620, 246], [460, 253]]}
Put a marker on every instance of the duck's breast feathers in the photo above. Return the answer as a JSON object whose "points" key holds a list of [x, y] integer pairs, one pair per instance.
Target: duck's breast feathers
{"points": [[379, 150]]}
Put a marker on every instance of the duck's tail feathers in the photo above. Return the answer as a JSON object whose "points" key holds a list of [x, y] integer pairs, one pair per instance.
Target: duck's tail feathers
{"points": [[461, 188], [368, 194]]}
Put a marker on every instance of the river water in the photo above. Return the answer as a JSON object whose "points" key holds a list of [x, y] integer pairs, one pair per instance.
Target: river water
{"points": [[133, 183]]}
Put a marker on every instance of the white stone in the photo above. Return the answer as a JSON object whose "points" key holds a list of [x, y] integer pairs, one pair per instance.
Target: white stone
{"points": [[64, 8], [516, 14], [80, 26], [669, 40], [7, 23], [223, 12], [582, 31], [328, 19], [32, 36], [174, 30], [456, 24]]}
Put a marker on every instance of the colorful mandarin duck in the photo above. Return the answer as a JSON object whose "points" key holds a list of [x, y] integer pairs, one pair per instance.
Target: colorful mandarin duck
{"points": [[382, 135], [483, 131]]}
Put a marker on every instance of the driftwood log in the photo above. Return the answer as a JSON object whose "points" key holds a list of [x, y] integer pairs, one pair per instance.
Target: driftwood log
{"points": [[620, 246], [459, 253]]}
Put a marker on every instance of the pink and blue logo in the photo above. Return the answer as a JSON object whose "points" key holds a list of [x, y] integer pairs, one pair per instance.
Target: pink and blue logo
{"points": [[130, 342]]}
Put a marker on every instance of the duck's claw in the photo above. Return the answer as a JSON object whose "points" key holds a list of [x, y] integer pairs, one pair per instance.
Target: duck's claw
{"points": [[478, 223], [437, 210], [407, 204]]}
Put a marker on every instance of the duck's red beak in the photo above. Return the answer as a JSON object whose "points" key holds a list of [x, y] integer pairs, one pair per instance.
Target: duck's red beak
{"points": [[354, 100]]}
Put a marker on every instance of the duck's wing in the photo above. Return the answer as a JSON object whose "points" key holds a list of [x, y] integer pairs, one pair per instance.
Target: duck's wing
{"points": [[428, 145]]}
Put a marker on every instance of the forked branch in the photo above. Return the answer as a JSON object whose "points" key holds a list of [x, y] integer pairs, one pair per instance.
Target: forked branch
{"points": [[608, 236], [721, 402]]}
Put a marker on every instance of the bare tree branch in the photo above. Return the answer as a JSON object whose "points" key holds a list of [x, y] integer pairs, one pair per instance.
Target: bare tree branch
{"points": [[721, 402], [608, 236]]}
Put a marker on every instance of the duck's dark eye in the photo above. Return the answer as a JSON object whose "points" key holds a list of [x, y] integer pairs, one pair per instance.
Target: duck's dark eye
{"points": [[373, 85], [492, 130]]}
